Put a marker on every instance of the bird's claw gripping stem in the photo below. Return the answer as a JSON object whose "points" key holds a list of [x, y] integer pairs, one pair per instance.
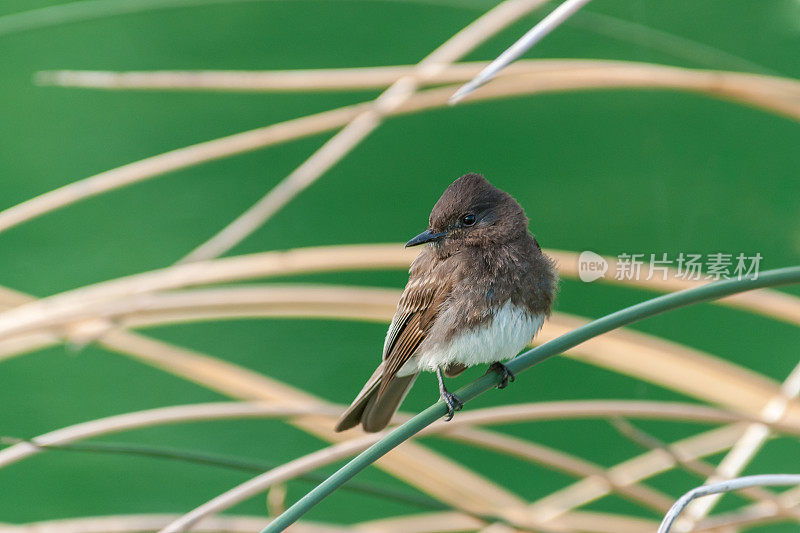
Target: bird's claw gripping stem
{"points": [[453, 404], [450, 399], [506, 375]]}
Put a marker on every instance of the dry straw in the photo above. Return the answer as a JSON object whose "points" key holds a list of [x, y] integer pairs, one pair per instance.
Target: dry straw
{"points": [[773, 94]]}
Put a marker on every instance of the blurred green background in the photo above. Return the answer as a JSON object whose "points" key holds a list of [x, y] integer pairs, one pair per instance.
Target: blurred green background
{"points": [[609, 171]]}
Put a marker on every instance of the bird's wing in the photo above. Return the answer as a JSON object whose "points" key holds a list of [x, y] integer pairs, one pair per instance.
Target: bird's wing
{"points": [[418, 308]]}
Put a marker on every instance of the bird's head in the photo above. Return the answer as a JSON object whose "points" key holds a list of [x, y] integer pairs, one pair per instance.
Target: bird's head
{"points": [[473, 212]]}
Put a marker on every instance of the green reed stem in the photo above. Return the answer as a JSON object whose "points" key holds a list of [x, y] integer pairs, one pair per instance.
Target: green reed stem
{"points": [[629, 315]]}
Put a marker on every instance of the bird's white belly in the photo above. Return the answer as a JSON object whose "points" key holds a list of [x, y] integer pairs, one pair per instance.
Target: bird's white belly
{"points": [[511, 329]]}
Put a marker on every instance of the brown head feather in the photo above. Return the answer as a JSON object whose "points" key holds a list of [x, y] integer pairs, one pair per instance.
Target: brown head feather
{"points": [[498, 218]]}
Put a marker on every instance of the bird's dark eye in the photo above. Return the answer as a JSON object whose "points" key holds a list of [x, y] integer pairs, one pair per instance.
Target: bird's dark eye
{"points": [[468, 220]]}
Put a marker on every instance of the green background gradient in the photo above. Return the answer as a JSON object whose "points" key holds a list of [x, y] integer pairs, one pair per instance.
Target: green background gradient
{"points": [[644, 171]]}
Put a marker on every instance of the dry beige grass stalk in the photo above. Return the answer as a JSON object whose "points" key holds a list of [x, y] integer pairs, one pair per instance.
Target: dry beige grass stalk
{"points": [[160, 416], [776, 95], [24, 318], [335, 79], [353, 78], [151, 522], [645, 357], [517, 413], [419, 523], [578, 521]]}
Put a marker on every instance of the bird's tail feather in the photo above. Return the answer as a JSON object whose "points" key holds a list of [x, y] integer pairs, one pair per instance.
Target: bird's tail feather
{"points": [[372, 410]]}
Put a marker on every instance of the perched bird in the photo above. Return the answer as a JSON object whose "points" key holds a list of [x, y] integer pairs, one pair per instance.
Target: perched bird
{"points": [[477, 293]]}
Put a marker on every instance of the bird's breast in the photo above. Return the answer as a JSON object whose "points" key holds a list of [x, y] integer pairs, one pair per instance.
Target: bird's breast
{"points": [[507, 329]]}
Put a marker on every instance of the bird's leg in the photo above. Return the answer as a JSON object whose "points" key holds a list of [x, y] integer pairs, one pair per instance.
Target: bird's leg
{"points": [[452, 401], [506, 374]]}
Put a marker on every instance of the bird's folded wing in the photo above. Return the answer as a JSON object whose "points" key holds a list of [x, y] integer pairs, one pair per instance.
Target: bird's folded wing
{"points": [[417, 311]]}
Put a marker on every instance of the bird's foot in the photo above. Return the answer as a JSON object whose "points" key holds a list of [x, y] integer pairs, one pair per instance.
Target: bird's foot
{"points": [[506, 375], [453, 404]]}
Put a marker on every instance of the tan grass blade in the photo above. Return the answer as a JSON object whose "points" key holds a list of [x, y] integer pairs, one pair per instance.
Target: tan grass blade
{"points": [[655, 462], [10, 298], [640, 355], [642, 495], [9, 348], [625, 351], [792, 496], [517, 413], [26, 344], [23, 318], [306, 260], [151, 522], [637, 354], [174, 160], [604, 523], [357, 77], [160, 416], [770, 303], [593, 409], [297, 80], [585, 522], [776, 95], [733, 522], [421, 523], [764, 512]]}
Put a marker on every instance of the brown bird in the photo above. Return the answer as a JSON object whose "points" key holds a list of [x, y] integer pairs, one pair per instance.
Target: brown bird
{"points": [[477, 293]]}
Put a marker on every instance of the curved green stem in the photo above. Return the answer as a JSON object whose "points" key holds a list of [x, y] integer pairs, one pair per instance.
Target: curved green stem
{"points": [[629, 315]]}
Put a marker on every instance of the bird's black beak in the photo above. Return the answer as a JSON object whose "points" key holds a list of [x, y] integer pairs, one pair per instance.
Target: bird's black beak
{"points": [[425, 236]]}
